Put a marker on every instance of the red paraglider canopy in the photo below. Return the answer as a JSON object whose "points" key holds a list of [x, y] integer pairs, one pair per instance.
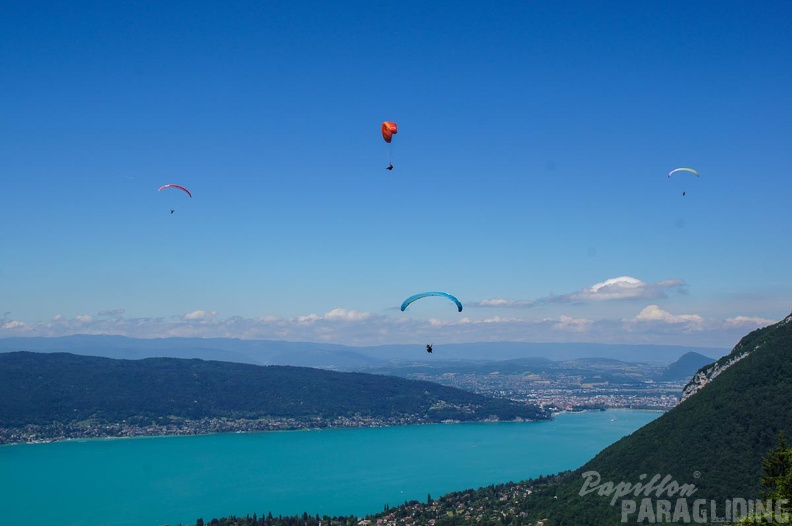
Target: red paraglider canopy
{"points": [[161, 188], [389, 129]]}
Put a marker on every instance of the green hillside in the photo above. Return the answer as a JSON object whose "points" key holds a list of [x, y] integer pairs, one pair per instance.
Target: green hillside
{"points": [[715, 439], [39, 389]]}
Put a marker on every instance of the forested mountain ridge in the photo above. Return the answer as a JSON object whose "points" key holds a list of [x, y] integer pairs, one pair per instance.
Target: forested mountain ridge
{"points": [[715, 440], [751, 343], [42, 388]]}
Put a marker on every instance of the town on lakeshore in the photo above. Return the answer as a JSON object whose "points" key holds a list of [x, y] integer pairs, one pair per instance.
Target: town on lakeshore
{"points": [[568, 392]]}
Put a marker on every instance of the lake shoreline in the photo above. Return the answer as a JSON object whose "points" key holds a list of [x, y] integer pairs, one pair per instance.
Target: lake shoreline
{"points": [[34, 434], [44, 434]]}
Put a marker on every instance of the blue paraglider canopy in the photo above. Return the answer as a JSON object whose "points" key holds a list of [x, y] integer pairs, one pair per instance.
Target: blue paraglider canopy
{"points": [[426, 294]]}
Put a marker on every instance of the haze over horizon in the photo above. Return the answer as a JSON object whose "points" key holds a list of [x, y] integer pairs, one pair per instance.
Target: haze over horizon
{"points": [[530, 171]]}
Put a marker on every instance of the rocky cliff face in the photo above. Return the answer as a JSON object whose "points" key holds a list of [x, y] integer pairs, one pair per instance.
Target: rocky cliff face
{"points": [[707, 374]]}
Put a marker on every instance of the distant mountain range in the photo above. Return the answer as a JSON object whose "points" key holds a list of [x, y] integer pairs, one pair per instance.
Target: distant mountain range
{"points": [[590, 369], [340, 357]]}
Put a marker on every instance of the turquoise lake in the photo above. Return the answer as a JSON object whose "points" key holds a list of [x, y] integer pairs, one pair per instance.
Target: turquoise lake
{"points": [[172, 480]]}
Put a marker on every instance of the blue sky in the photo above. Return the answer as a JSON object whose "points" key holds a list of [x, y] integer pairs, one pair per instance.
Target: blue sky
{"points": [[530, 170]]}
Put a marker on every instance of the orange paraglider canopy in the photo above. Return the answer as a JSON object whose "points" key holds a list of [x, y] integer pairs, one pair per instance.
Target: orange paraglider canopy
{"points": [[389, 129]]}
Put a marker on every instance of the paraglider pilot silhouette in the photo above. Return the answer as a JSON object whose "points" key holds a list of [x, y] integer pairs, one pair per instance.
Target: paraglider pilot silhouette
{"points": [[675, 170], [178, 187], [425, 295], [389, 129]]}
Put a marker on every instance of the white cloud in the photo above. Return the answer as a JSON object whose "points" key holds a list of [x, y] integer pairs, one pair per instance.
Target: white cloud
{"points": [[498, 319], [501, 303], [200, 315], [351, 327], [469, 321], [346, 315], [688, 329], [748, 321], [621, 288], [567, 323], [493, 320], [111, 313], [653, 313], [338, 314]]}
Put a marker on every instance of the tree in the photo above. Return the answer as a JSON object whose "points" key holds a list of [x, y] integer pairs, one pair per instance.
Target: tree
{"points": [[777, 471], [777, 479]]}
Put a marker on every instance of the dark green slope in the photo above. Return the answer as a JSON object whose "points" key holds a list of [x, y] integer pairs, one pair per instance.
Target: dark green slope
{"points": [[38, 388], [715, 439]]}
